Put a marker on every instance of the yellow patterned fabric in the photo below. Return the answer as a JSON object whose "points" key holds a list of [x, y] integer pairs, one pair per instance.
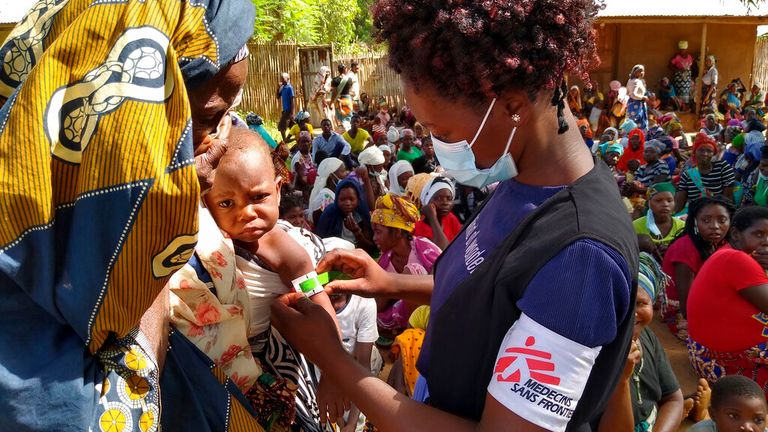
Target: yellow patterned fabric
{"points": [[98, 196], [395, 212]]}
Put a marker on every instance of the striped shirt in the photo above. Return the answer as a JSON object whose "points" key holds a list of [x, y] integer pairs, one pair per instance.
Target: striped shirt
{"points": [[656, 172], [714, 182]]}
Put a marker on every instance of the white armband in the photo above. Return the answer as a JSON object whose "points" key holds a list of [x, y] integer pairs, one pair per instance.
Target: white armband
{"points": [[540, 375]]}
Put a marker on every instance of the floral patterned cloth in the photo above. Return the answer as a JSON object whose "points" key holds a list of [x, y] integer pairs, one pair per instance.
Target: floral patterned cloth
{"points": [[209, 308]]}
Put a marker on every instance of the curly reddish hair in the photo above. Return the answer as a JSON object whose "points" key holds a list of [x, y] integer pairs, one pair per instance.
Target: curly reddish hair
{"points": [[475, 50]]}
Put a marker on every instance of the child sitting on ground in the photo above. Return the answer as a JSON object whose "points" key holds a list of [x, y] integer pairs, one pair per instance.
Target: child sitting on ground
{"points": [[738, 404]]}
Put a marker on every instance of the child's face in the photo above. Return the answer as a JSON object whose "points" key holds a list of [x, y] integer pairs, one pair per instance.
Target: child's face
{"points": [[348, 200], [295, 216], [739, 414], [443, 201], [245, 195]]}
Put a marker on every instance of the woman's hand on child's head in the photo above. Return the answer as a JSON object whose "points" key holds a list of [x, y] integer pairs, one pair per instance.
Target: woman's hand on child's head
{"points": [[368, 279], [308, 327], [210, 152]]}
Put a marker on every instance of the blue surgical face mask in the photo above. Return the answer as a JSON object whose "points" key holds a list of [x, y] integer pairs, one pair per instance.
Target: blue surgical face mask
{"points": [[458, 160]]}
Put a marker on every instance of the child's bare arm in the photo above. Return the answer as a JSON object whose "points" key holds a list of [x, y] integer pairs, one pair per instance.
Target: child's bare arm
{"points": [[291, 261]]}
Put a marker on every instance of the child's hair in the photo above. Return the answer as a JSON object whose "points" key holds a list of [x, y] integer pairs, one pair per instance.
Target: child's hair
{"points": [[242, 140], [633, 165], [746, 216], [735, 386], [289, 202], [705, 249]]}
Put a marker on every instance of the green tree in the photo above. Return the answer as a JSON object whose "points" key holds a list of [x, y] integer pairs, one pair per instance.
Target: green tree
{"points": [[311, 21]]}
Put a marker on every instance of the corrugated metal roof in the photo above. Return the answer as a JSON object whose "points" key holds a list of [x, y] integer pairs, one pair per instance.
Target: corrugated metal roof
{"points": [[684, 8], [12, 11]]}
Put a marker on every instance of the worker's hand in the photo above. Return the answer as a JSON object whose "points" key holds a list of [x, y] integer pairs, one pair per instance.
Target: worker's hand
{"points": [[308, 327], [331, 402], [368, 279]]}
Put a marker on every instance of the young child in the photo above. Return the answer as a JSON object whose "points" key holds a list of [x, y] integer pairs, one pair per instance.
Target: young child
{"points": [[292, 211], [738, 404], [272, 257]]}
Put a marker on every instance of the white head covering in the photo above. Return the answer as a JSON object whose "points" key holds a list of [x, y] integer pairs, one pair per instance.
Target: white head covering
{"points": [[371, 156], [393, 135], [397, 169], [385, 148], [613, 131], [327, 167], [435, 185]]}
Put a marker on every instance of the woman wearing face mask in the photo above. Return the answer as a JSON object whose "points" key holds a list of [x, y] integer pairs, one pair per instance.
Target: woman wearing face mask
{"points": [[329, 173], [534, 324], [372, 161]]}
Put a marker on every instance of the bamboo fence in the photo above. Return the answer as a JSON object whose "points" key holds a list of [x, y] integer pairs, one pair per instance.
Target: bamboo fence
{"points": [[268, 60]]}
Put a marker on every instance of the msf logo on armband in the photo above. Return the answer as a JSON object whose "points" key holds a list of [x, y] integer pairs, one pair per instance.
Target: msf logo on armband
{"points": [[532, 374], [534, 361]]}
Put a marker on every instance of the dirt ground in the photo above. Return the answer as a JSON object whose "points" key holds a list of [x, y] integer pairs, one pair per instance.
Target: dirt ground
{"points": [[678, 357]]}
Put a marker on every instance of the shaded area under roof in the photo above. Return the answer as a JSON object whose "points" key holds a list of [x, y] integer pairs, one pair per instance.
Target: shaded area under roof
{"points": [[680, 8]]}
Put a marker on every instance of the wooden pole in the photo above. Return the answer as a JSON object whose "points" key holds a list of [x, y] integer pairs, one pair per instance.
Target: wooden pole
{"points": [[702, 58]]}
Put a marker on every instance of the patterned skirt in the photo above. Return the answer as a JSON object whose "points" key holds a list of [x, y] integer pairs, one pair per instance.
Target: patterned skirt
{"points": [[711, 101], [671, 315], [682, 82], [713, 365], [637, 111]]}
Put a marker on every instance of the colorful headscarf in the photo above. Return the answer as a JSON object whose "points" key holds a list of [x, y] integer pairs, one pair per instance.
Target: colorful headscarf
{"points": [[305, 135], [630, 153], [395, 212], [628, 125], [738, 142], [671, 125], [406, 132], [416, 185], [302, 115], [651, 277], [660, 187], [614, 148], [433, 187], [101, 184], [399, 168], [420, 317], [704, 140]]}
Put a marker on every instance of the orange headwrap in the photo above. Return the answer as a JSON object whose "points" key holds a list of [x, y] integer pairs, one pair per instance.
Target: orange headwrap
{"points": [[703, 140]]}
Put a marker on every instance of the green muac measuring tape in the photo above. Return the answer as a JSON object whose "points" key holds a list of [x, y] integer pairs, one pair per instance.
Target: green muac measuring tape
{"points": [[312, 283]]}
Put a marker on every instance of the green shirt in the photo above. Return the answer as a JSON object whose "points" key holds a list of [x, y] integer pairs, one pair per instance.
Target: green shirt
{"points": [[410, 156], [677, 227]]}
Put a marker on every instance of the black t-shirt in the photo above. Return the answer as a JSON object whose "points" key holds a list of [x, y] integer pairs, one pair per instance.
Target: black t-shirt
{"points": [[657, 380]]}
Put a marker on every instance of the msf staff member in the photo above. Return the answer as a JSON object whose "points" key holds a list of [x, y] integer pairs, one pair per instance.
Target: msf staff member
{"points": [[536, 335]]}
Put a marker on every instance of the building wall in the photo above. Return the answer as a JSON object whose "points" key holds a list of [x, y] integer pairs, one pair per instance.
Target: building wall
{"points": [[654, 44]]}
